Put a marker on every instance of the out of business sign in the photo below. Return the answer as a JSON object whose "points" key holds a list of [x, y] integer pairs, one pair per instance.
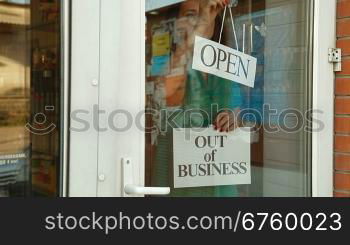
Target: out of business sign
{"points": [[206, 157]]}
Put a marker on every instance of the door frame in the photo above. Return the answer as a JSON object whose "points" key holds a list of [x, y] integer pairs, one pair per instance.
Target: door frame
{"points": [[95, 169], [323, 97], [65, 88], [84, 77], [97, 63]]}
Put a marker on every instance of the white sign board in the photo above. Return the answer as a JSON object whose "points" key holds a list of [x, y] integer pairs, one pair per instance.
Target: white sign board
{"points": [[157, 4], [206, 157], [222, 61]]}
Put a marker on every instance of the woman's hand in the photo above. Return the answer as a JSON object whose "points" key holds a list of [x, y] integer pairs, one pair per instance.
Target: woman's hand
{"points": [[194, 22], [226, 121], [209, 10]]}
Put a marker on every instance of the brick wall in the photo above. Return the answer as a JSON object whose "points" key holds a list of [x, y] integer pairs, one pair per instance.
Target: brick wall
{"points": [[342, 105]]}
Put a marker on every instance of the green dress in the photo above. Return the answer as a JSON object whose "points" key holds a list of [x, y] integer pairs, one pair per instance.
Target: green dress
{"points": [[201, 93]]}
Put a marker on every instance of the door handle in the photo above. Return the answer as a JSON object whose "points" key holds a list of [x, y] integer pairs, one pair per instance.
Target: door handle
{"points": [[130, 189], [140, 190]]}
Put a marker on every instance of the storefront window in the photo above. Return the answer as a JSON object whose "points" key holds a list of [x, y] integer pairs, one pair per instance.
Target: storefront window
{"points": [[275, 35], [29, 97]]}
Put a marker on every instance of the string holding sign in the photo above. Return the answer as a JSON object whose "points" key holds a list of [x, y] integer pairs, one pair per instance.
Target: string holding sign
{"points": [[222, 61], [233, 26]]}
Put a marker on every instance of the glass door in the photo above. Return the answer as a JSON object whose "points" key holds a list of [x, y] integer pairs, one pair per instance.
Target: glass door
{"points": [[193, 98], [190, 78]]}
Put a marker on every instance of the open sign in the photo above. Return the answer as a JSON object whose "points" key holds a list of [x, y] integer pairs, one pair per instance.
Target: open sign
{"points": [[222, 61]]}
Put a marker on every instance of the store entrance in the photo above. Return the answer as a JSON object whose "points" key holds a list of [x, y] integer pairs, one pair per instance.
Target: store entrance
{"points": [[153, 116], [147, 101], [190, 75]]}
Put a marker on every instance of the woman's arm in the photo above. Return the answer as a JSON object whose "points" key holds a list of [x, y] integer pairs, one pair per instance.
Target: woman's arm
{"points": [[227, 95], [204, 27]]}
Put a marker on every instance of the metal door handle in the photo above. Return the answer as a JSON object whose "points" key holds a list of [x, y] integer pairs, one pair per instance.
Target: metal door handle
{"points": [[139, 190], [129, 188]]}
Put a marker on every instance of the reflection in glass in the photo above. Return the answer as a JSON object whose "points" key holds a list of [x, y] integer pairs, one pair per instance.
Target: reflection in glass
{"points": [[274, 32], [29, 97]]}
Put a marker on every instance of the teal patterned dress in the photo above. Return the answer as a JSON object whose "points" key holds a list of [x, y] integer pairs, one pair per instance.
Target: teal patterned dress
{"points": [[201, 94]]}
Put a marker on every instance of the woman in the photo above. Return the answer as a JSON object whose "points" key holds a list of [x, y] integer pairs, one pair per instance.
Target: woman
{"points": [[202, 92]]}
